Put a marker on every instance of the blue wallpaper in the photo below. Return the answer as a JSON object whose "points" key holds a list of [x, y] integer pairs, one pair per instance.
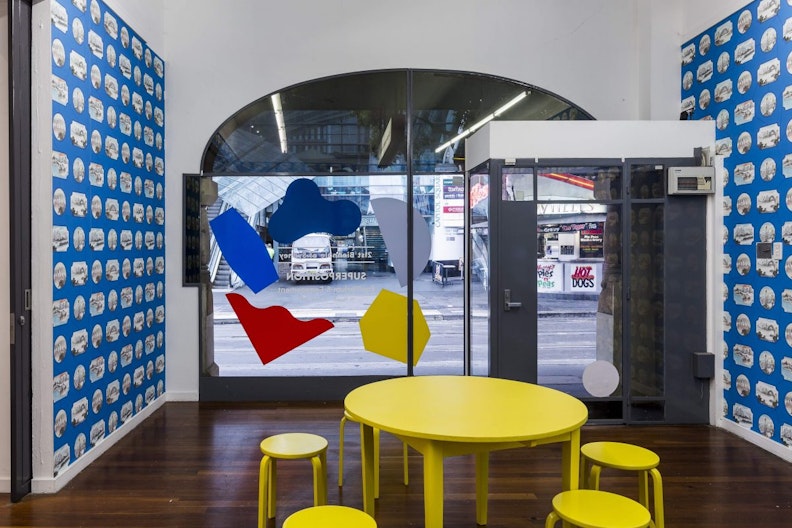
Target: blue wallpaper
{"points": [[739, 73], [108, 226]]}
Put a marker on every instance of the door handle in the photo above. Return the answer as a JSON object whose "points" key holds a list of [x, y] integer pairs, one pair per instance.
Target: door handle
{"points": [[508, 304]]}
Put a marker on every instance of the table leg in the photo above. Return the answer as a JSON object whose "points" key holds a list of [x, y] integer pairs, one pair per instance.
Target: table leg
{"points": [[367, 463], [433, 487], [482, 487], [570, 462]]}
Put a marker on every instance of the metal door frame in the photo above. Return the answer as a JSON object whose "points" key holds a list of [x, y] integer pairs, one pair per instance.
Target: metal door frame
{"points": [[19, 70], [626, 202]]}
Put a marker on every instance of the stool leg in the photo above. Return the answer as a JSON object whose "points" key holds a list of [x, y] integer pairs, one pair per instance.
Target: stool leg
{"points": [[552, 519], [262, 496], [341, 452], [584, 473], [320, 493], [323, 460], [404, 462], [271, 492], [376, 462], [594, 476], [657, 484], [643, 488]]}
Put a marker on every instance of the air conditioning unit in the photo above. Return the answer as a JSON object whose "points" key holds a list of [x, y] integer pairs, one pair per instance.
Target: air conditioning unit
{"points": [[691, 180]]}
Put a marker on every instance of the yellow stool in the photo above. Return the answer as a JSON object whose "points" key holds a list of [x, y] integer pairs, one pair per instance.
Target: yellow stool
{"points": [[329, 517], [628, 457], [290, 446], [597, 509], [376, 457]]}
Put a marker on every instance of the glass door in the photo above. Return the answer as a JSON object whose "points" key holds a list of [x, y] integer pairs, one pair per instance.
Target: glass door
{"points": [[559, 275], [593, 319]]}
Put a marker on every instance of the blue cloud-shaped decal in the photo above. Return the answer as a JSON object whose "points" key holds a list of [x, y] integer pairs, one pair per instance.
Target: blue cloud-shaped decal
{"points": [[304, 211]]}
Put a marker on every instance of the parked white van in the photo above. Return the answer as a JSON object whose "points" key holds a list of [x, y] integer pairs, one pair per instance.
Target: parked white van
{"points": [[312, 258]]}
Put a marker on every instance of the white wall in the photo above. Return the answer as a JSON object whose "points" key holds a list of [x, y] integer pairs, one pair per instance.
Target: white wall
{"points": [[5, 293], [145, 16], [699, 15], [600, 54]]}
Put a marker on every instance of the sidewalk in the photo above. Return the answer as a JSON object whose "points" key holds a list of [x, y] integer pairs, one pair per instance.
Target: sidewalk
{"points": [[349, 300]]}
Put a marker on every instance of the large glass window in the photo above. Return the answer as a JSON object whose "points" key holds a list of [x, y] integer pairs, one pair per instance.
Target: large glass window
{"points": [[348, 136]]}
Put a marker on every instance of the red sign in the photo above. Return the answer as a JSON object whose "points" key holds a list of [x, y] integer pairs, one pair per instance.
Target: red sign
{"points": [[583, 277]]}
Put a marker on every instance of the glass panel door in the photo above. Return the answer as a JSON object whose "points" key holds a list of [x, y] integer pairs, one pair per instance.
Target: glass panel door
{"points": [[579, 283], [478, 268], [647, 300], [345, 279], [597, 324], [565, 330]]}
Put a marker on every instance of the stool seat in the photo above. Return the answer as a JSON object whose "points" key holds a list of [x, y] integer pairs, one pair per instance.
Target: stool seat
{"points": [[619, 455], [290, 446], [293, 445], [597, 509], [627, 457], [329, 517]]}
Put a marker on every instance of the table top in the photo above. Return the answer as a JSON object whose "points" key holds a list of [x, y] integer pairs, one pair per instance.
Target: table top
{"points": [[465, 408]]}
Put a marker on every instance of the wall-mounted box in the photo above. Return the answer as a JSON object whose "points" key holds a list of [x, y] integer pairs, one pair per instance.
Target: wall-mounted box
{"points": [[703, 365], [691, 180]]}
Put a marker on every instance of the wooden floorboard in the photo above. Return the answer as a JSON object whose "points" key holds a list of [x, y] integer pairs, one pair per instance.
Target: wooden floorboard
{"points": [[196, 465]]}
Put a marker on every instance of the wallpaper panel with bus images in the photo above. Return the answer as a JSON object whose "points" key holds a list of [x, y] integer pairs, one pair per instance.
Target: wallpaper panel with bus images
{"points": [[108, 225], [739, 73]]}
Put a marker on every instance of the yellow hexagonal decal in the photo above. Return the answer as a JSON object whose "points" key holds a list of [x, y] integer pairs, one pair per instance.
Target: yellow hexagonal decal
{"points": [[384, 327]]}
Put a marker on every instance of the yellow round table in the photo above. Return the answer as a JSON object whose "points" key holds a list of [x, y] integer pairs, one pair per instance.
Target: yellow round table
{"points": [[441, 416]]}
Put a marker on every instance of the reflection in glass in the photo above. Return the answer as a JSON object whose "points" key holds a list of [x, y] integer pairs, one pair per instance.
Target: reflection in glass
{"points": [[579, 183], [361, 267], [517, 185], [357, 123], [647, 182], [575, 242], [329, 125], [647, 299], [609, 302], [479, 272]]}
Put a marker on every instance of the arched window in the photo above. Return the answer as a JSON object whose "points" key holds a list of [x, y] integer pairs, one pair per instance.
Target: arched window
{"points": [[395, 134], [357, 123]]}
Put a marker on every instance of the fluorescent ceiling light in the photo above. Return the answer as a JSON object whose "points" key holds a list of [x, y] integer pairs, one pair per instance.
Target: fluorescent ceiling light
{"points": [[276, 106], [483, 122]]}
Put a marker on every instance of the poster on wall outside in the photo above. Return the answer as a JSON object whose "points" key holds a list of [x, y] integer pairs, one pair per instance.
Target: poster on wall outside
{"points": [[549, 277]]}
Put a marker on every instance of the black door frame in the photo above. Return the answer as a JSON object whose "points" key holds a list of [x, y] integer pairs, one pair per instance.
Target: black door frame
{"points": [[19, 73]]}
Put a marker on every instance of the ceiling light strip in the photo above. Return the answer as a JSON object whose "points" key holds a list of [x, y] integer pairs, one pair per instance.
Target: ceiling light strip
{"points": [[476, 126], [281, 124]]}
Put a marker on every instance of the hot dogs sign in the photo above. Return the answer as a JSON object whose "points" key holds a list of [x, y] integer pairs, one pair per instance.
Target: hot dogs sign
{"points": [[568, 277]]}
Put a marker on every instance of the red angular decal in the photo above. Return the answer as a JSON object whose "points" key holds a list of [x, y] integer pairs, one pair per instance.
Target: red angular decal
{"points": [[274, 330]]}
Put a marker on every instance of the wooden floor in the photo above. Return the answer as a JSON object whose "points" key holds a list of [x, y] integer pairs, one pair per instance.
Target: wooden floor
{"points": [[196, 465]]}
